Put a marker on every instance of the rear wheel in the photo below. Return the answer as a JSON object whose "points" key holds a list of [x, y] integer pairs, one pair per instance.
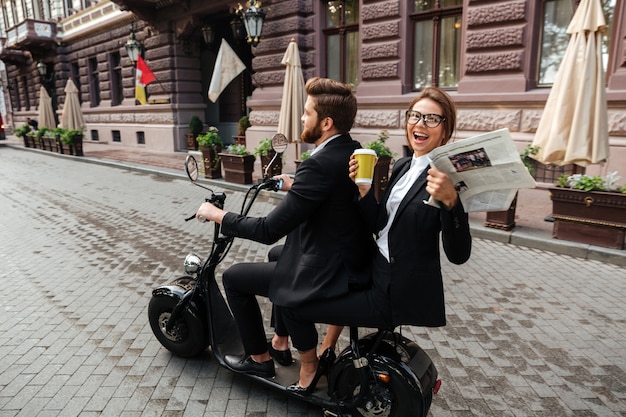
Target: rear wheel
{"points": [[188, 336], [390, 393]]}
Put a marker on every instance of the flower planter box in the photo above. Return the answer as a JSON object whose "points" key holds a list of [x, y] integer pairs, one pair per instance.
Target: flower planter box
{"points": [[50, 144], [192, 144], [277, 167], [238, 169], [211, 162], [503, 220], [381, 176], [593, 217]]}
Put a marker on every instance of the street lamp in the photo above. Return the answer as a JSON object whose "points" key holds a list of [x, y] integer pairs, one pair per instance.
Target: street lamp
{"points": [[253, 18], [133, 46]]}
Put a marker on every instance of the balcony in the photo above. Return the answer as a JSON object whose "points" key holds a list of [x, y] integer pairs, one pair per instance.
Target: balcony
{"points": [[14, 56], [31, 34]]}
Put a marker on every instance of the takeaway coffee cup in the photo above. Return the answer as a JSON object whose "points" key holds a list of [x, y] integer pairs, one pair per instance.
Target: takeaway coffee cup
{"points": [[366, 159]]}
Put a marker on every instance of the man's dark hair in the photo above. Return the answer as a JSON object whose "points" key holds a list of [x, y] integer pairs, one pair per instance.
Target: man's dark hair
{"points": [[335, 100]]}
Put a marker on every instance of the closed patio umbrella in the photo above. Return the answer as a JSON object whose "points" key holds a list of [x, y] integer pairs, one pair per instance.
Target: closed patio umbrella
{"points": [[72, 116], [292, 103], [574, 126], [46, 114]]}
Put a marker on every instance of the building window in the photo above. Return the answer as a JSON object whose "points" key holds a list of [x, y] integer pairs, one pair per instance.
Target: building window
{"points": [[437, 42], [17, 96], [342, 41], [116, 136], [94, 83], [557, 15], [26, 92], [141, 138], [117, 89], [75, 70], [94, 135]]}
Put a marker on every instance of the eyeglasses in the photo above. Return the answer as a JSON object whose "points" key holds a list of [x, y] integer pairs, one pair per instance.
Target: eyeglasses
{"points": [[430, 120]]}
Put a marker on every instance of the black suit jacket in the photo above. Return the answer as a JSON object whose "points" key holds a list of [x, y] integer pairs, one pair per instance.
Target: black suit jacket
{"points": [[328, 245], [415, 284]]}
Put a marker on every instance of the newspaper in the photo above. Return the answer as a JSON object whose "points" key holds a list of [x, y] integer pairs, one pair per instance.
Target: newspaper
{"points": [[487, 170]]}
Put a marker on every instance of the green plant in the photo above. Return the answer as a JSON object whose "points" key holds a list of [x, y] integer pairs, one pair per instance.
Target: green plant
{"points": [[235, 149], [67, 136], [529, 151], [379, 146], [592, 183], [210, 138], [195, 125], [304, 155], [243, 125], [264, 148], [22, 130]]}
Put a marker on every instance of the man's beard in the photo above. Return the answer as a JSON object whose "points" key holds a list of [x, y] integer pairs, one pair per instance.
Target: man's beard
{"points": [[311, 135]]}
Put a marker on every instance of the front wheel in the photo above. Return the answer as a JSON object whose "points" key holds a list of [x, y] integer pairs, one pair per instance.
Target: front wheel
{"points": [[187, 338]]}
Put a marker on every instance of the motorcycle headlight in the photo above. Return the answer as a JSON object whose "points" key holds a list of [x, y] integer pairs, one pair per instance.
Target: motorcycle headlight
{"points": [[192, 264]]}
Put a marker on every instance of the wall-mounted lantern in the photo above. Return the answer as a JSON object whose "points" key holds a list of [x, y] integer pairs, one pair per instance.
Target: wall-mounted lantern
{"points": [[253, 17], [208, 34], [133, 46]]}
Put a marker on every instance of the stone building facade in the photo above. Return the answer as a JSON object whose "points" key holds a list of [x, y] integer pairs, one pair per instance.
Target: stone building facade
{"points": [[497, 85]]}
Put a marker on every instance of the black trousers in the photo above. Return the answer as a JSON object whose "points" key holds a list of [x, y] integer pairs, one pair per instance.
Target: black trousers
{"points": [[242, 283], [364, 308]]}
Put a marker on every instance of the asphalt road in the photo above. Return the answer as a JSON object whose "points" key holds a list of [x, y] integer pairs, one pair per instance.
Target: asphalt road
{"points": [[530, 333]]}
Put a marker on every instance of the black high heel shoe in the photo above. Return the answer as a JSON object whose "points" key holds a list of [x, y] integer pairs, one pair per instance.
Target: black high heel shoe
{"points": [[326, 361]]}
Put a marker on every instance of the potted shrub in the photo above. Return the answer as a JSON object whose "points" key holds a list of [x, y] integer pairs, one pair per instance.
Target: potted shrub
{"points": [[590, 209], [195, 128], [211, 145], [22, 132], [74, 140], [38, 136], [238, 164], [266, 153], [242, 126], [505, 220], [381, 170]]}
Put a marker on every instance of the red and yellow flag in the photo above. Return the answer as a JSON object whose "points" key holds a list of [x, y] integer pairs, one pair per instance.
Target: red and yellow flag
{"points": [[143, 77]]}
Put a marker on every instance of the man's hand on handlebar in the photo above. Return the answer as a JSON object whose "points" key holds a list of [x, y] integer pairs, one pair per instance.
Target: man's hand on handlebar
{"points": [[287, 181], [209, 212]]}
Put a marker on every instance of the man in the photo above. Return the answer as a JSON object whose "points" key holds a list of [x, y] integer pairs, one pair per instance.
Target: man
{"points": [[32, 122], [327, 247]]}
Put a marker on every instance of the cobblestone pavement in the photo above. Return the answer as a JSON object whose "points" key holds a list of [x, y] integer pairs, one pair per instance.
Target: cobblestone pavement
{"points": [[530, 332]]}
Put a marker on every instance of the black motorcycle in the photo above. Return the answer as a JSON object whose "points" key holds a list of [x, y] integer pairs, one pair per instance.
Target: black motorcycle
{"points": [[381, 374]]}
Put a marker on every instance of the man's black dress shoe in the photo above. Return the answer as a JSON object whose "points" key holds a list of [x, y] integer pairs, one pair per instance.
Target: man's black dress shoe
{"points": [[246, 365], [283, 357]]}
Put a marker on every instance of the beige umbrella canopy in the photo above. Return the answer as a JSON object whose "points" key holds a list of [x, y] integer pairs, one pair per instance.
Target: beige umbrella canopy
{"points": [[574, 125], [72, 117], [292, 103], [46, 114]]}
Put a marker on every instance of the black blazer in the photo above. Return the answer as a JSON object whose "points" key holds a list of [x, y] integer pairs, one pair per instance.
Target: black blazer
{"points": [[327, 245], [416, 286]]}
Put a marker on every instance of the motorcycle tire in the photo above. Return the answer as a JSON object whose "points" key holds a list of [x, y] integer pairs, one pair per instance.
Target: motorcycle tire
{"points": [[394, 398], [189, 336]]}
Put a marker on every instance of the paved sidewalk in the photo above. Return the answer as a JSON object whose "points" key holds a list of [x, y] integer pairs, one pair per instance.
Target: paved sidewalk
{"points": [[533, 205], [530, 333]]}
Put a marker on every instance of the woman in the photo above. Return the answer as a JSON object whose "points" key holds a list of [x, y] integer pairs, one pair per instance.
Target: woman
{"points": [[407, 286]]}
